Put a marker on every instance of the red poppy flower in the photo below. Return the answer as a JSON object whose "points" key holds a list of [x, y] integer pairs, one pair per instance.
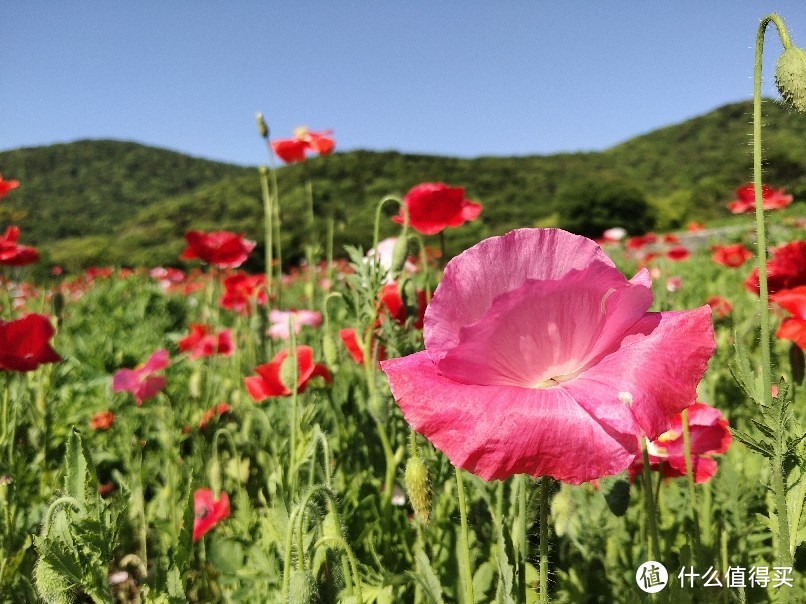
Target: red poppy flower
{"points": [[678, 253], [269, 382], [13, 254], [745, 202], [102, 420], [393, 301], [7, 185], [720, 307], [241, 289], [203, 342], [639, 241], [212, 412], [434, 206], [209, 511], [786, 268], [292, 150], [141, 381], [708, 435], [350, 340], [732, 255], [794, 327], [24, 343], [694, 226], [223, 249]]}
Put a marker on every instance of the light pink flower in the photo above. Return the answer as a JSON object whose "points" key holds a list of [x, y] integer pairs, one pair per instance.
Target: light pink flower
{"points": [[385, 250], [141, 381], [541, 358], [279, 321]]}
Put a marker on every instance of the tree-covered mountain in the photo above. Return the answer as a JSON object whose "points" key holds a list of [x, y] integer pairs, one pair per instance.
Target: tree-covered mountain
{"points": [[101, 202]]}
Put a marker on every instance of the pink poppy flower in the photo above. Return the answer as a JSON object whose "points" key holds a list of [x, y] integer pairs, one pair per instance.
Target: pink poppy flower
{"points": [[269, 380], [709, 435], [141, 381], [209, 511], [745, 202], [541, 358], [279, 321], [434, 206], [203, 342]]}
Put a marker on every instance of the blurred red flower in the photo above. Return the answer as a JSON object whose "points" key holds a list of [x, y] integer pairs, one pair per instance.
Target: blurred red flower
{"points": [[241, 290], [772, 199], [102, 420], [794, 327], [434, 206], [269, 379], [204, 342], [720, 307], [141, 381], [25, 343], [209, 511], [786, 268], [639, 241], [212, 412], [732, 255], [223, 249], [678, 253], [694, 226], [292, 150], [7, 185], [350, 340], [393, 301], [13, 254], [708, 435]]}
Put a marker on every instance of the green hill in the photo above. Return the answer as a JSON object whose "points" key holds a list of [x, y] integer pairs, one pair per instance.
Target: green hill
{"points": [[102, 202]]}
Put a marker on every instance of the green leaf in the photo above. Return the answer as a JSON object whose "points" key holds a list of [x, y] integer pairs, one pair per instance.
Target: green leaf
{"points": [[427, 578]]}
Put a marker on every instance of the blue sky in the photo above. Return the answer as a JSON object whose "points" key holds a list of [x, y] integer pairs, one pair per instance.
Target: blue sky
{"points": [[465, 78]]}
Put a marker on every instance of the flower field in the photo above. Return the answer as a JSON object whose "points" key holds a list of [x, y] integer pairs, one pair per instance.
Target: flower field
{"points": [[542, 417]]}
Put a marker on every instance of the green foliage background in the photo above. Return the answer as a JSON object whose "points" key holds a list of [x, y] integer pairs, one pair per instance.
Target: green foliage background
{"points": [[89, 202]]}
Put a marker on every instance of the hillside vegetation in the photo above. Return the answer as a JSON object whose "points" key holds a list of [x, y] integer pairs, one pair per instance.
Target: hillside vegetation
{"points": [[93, 202]]}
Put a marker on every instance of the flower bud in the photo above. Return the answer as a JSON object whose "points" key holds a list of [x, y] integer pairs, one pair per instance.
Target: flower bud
{"points": [[400, 254], [418, 488], [302, 587], [329, 350], [790, 77], [262, 128]]}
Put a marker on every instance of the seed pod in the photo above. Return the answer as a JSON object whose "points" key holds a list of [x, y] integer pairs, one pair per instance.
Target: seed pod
{"points": [[790, 77], [262, 128], [329, 349], [418, 488], [302, 588]]}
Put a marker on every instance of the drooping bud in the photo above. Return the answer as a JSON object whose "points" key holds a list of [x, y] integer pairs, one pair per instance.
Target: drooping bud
{"points": [[329, 349], [790, 77], [418, 488], [302, 587], [400, 253], [262, 128]]}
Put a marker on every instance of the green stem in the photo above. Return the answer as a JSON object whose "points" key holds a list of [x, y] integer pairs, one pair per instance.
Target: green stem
{"points": [[523, 538], [544, 539], [465, 544], [692, 504], [267, 228], [341, 543], [778, 483], [649, 506], [292, 465]]}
